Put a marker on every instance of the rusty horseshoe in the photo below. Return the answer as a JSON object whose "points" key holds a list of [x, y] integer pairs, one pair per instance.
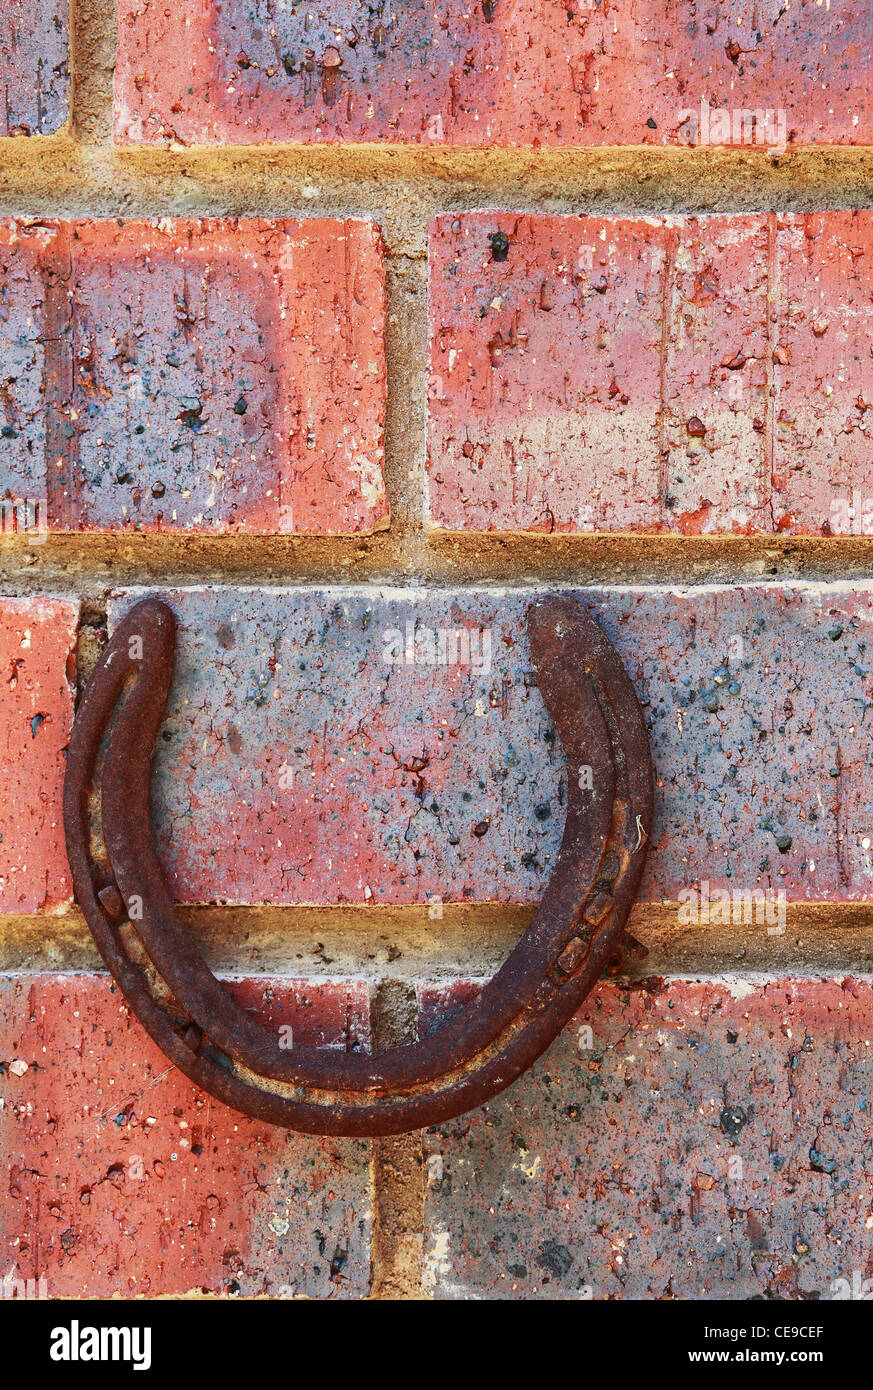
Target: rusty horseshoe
{"points": [[121, 889]]}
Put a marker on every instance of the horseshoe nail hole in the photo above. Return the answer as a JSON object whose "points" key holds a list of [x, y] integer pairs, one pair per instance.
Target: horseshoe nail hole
{"points": [[192, 1036], [220, 1058]]}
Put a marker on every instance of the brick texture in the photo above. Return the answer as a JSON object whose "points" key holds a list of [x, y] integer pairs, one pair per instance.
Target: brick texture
{"points": [[37, 661], [699, 374], [689, 1140], [298, 764], [620, 72], [121, 1178], [646, 230], [191, 375], [34, 66]]}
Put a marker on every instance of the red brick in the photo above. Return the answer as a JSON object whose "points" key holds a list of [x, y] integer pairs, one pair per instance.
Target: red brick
{"points": [[683, 374], [34, 66], [297, 765], [122, 1178], [493, 73], [705, 1140], [215, 375], [37, 661]]}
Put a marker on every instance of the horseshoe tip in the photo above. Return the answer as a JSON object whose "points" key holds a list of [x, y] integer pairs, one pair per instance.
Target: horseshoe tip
{"points": [[155, 612], [555, 618]]}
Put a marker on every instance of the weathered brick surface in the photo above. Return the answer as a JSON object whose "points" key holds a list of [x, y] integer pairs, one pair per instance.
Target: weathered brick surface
{"points": [[37, 661], [823, 374], [545, 365], [34, 66], [119, 1177], [299, 765], [706, 1140], [614, 73], [699, 374], [215, 375]]}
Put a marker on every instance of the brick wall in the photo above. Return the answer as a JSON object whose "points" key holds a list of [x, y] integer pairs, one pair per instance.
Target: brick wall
{"points": [[322, 322]]}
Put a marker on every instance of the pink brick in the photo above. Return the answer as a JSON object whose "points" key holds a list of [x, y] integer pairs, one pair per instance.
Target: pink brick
{"points": [[37, 661], [685, 1140], [545, 361], [621, 72], [823, 448], [716, 375], [686, 374], [195, 375], [299, 765], [34, 66], [121, 1178]]}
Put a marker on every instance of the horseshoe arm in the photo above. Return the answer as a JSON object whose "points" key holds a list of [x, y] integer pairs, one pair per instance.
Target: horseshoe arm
{"points": [[121, 888]]}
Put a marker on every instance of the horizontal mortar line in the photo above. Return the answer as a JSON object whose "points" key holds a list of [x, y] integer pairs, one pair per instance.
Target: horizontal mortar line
{"points": [[97, 564], [470, 941], [71, 198], [424, 154], [840, 587], [315, 941], [667, 180]]}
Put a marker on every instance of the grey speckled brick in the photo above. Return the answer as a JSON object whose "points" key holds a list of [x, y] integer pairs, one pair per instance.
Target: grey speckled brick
{"points": [[298, 765], [700, 1141], [34, 66], [183, 374]]}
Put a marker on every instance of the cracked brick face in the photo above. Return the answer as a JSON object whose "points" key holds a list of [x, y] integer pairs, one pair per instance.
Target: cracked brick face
{"points": [[494, 73], [195, 375], [701, 375], [34, 66]]}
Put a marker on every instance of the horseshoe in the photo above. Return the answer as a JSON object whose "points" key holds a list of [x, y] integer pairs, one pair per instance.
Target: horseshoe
{"points": [[121, 889]]}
